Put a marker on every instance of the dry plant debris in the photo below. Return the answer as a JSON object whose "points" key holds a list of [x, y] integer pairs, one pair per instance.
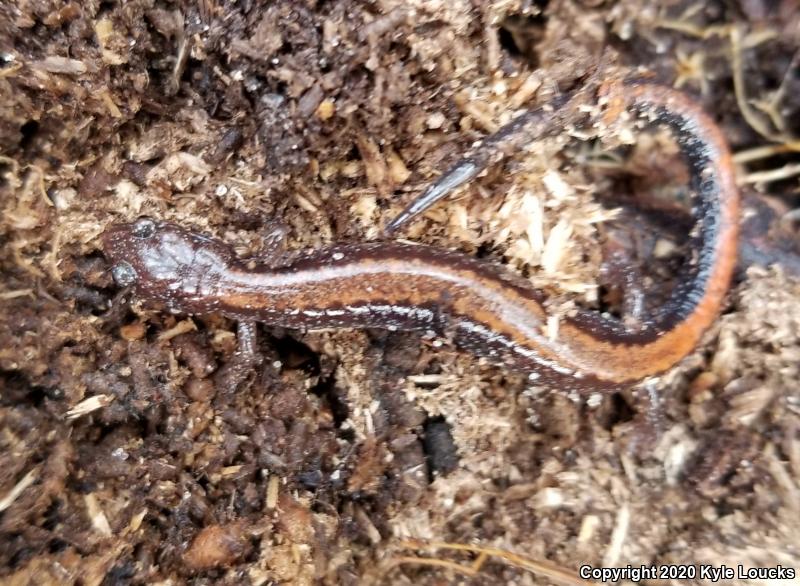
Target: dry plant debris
{"points": [[135, 448]]}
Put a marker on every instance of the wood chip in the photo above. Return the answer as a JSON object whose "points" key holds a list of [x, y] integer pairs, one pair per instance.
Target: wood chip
{"points": [[181, 327], [273, 487], [63, 65], [18, 489], [88, 405], [97, 516]]}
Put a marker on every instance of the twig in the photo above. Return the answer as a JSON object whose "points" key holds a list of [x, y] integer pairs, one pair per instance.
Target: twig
{"points": [[547, 569], [765, 151], [748, 113], [785, 172], [18, 489]]}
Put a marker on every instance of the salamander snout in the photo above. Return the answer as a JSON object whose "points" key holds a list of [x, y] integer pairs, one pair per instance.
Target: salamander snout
{"points": [[128, 245], [122, 244]]}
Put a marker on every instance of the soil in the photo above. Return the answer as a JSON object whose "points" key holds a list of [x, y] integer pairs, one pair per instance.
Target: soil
{"points": [[136, 448]]}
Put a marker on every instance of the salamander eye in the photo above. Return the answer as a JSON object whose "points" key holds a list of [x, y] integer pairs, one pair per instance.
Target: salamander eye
{"points": [[144, 228], [124, 274]]}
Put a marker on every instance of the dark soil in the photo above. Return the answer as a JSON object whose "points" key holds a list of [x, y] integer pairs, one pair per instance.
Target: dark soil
{"points": [[137, 448]]}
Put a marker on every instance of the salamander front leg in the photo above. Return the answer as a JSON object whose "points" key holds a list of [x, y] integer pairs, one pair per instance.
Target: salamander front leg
{"points": [[247, 337], [244, 362]]}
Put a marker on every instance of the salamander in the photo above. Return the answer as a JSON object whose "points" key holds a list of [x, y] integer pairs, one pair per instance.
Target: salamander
{"points": [[482, 307]]}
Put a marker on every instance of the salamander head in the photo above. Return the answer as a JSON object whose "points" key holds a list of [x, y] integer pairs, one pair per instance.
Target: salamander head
{"points": [[164, 262]]}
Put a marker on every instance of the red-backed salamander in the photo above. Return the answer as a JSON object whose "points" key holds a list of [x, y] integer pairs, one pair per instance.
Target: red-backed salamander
{"points": [[482, 307]]}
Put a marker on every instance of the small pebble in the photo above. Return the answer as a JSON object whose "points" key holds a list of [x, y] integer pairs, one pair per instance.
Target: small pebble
{"points": [[435, 121]]}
